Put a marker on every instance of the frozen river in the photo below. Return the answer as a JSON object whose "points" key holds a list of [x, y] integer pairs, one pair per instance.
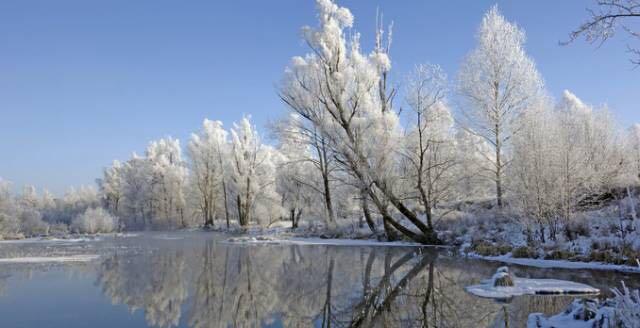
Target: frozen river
{"points": [[195, 279]]}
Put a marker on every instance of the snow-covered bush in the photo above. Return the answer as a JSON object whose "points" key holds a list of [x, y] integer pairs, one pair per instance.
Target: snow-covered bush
{"points": [[94, 220], [58, 229], [627, 307], [621, 311], [9, 225], [31, 223]]}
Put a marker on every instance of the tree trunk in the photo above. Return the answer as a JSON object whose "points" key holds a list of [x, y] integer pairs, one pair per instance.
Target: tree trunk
{"points": [[498, 168], [298, 217], [240, 214], [366, 212], [226, 206], [327, 196]]}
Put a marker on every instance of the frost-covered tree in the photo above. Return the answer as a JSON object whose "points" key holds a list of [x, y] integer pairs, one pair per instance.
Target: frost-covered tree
{"points": [[473, 168], [429, 146], [209, 153], [336, 89], [111, 187], [535, 173], [590, 154], [253, 176], [9, 223], [633, 149], [48, 206], [168, 180], [135, 205], [29, 197], [76, 201], [299, 131], [297, 174], [31, 223], [498, 81]]}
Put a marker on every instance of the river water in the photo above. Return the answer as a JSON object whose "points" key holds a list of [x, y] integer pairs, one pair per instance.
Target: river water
{"points": [[196, 279]]}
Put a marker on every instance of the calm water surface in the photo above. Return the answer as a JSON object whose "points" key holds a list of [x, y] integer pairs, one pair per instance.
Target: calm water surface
{"points": [[197, 280]]}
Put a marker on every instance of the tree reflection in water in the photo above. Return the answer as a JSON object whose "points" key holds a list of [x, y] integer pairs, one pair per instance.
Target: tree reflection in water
{"points": [[221, 285]]}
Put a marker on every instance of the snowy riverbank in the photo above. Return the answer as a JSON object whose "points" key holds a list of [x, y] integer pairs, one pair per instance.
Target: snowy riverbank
{"points": [[558, 264]]}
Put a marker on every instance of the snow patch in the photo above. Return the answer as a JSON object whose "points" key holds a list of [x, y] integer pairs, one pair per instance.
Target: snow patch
{"points": [[167, 237], [49, 259], [560, 264], [48, 240], [524, 286]]}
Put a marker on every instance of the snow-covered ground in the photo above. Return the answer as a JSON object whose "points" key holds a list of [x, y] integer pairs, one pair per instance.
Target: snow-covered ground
{"points": [[50, 259], [558, 264], [48, 240]]}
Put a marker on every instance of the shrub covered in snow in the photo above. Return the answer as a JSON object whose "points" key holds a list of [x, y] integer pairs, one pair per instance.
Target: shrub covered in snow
{"points": [[31, 223], [621, 311], [94, 220], [627, 307], [9, 225]]}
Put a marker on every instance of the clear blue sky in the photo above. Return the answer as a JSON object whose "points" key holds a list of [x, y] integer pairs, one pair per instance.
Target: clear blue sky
{"points": [[83, 82]]}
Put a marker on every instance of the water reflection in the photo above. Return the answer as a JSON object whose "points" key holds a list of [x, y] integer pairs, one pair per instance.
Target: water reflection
{"points": [[221, 285]]}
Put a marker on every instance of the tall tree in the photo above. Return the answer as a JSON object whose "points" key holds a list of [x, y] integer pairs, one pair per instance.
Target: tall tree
{"points": [[430, 144], [498, 81], [208, 151], [253, 175], [337, 90], [111, 187], [168, 180]]}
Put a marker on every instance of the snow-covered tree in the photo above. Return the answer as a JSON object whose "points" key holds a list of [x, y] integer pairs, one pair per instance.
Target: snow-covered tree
{"points": [[429, 145], [252, 175], [535, 173], [337, 89], [473, 168], [297, 173], [136, 178], [29, 197], [9, 223], [209, 151], [590, 152], [111, 187], [633, 149], [168, 180], [498, 81]]}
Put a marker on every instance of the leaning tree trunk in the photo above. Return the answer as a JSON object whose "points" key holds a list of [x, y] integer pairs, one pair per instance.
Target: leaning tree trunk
{"points": [[366, 211]]}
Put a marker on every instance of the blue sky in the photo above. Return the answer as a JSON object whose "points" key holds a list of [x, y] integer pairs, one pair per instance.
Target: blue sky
{"points": [[83, 82]]}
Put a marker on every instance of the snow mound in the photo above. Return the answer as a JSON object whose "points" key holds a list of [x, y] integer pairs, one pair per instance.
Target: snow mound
{"points": [[524, 286], [49, 259]]}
